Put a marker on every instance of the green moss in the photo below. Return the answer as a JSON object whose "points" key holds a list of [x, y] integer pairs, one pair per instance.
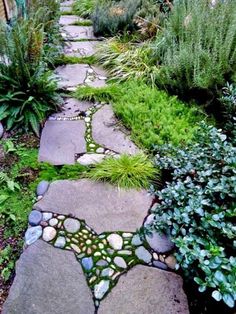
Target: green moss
{"points": [[75, 60], [101, 94], [83, 23]]}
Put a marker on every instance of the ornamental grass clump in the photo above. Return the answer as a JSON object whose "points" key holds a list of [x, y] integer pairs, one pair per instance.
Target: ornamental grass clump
{"points": [[197, 207], [125, 171]]}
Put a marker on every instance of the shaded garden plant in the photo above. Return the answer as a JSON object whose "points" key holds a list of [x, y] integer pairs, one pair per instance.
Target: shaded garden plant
{"points": [[198, 208], [125, 171], [27, 88]]}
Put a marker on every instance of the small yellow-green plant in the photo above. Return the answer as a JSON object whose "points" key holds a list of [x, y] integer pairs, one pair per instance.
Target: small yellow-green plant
{"points": [[125, 171]]}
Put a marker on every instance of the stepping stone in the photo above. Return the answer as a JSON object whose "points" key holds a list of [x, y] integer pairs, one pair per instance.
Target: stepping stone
{"points": [[48, 281], [65, 9], [146, 290], [61, 140], [81, 49], [74, 32], [67, 3], [91, 159], [107, 133], [103, 206], [71, 75], [69, 19], [72, 107]]}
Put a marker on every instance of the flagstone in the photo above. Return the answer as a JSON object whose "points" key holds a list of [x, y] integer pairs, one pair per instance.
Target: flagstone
{"points": [[103, 206], [61, 140], [48, 281], [74, 32], [81, 48], [106, 132]]}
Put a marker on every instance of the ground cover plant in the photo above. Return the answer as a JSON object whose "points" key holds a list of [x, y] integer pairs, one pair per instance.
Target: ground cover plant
{"points": [[125, 171], [153, 116], [20, 172], [197, 208]]}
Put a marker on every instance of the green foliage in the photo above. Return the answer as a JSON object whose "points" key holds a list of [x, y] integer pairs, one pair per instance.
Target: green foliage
{"points": [[63, 59], [6, 260], [84, 8], [125, 171], [229, 101], [101, 94], [124, 60], [27, 89], [153, 117], [197, 47], [198, 208], [112, 17]]}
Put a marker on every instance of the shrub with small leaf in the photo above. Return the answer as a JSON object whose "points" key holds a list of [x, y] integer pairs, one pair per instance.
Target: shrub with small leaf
{"points": [[112, 17], [198, 208]]}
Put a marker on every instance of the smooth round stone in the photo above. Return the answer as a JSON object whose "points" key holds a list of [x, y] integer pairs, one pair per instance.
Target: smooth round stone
{"points": [[33, 234], [107, 272], [136, 241], [101, 262], [97, 254], [155, 256], [125, 252], [87, 119], [159, 242], [92, 145], [115, 241], [61, 217], [159, 265], [60, 242], [120, 262], [88, 242], [101, 289], [90, 71], [35, 217], [171, 261], [42, 187], [101, 246], [143, 254], [53, 222], [127, 235], [75, 248], [87, 263], [47, 216], [100, 150], [72, 225], [1, 130], [103, 78], [49, 234]]}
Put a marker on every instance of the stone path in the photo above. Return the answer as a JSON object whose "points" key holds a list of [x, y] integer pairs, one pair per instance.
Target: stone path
{"points": [[83, 253]]}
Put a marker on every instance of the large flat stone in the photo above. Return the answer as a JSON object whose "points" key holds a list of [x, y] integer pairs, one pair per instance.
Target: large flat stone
{"points": [[106, 132], [103, 206], [67, 3], [71, 75], [74, 32], [146, 290], [72, 107], [80, 48], [61, 140], [48, 281], [69, 19]]}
